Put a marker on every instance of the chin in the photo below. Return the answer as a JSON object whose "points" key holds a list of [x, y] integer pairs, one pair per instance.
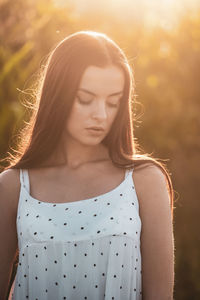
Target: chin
{"points": [[92, 142]]}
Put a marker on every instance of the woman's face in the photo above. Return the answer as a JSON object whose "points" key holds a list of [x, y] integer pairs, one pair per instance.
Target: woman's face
{"points": [[96, 104]]}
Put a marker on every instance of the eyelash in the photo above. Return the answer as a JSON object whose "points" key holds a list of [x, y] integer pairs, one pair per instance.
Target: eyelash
{"points": [[86, 103]]}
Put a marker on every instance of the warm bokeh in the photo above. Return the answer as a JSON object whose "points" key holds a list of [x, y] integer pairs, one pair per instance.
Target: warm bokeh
{"points": [[162, 41]]}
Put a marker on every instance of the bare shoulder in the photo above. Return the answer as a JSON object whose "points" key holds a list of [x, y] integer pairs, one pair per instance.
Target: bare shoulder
{"points": [[10, 176], [148, 173], [10, 186], [151, 188]]}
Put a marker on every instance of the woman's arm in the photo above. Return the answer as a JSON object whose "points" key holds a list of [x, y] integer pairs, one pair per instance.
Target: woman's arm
{"points": [[9, 193], [157, 240]]}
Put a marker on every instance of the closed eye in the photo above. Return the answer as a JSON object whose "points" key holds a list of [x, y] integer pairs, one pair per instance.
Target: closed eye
{"points": [[83, 102], [88, 102], [113, 105]]}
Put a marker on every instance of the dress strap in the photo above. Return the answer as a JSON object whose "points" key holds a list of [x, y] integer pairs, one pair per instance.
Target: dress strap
{"points": [[24, 179], [127, 172]]}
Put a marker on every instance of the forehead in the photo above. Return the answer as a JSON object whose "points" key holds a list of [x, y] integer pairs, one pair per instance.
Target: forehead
{"points": [[107, 80]]}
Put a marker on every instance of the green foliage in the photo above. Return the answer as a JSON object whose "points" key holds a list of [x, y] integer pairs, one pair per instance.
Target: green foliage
{"points": [[166, 65]]}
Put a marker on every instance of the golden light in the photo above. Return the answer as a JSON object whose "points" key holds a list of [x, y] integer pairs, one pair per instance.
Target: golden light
{"points": [[151, 13]]}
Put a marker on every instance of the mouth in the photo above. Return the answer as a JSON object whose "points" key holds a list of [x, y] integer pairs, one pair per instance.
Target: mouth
{"points": [[95, 130]]}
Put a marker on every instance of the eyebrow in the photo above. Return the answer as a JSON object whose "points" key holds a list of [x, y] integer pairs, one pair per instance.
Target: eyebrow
{"points": [[89, 92]]}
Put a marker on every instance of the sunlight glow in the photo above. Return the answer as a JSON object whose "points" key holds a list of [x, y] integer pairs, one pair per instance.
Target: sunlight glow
{"points": [[164, 13]]}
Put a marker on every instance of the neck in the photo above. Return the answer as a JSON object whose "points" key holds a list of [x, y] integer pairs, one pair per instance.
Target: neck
{"points": [[77, 154]]}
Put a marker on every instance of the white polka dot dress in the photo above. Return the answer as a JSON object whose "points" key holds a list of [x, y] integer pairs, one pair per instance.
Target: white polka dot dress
{"points": [[87, 249]]}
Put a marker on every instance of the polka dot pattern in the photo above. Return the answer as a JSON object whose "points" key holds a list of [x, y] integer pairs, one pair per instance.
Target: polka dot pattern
{"points": [[88, 249]]}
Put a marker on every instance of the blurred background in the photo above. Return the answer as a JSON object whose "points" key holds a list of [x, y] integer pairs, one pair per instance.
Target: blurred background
{"points": [[161, 39]]}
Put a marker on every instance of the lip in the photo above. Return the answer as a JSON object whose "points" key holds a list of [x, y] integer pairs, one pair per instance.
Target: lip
{"points": [[95, 132], [96, 128]]}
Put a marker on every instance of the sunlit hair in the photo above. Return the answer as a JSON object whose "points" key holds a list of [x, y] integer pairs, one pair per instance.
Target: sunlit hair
{"points": [[41, 139]]}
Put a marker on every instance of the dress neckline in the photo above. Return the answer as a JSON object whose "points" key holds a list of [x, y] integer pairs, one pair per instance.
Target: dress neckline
{"points": [[78, 201]]}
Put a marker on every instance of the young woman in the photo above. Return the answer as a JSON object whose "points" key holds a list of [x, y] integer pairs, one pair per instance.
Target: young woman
{"points": [[88, 216]]}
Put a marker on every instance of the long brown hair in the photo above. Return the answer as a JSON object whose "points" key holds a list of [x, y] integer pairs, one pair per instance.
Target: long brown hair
{"points": [[41, 138]]}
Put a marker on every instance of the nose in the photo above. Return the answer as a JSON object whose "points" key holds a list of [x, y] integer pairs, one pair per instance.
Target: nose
{"points": [[99, 111]]}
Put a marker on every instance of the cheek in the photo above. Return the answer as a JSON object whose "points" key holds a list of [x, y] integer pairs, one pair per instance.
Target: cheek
{"points": [[112, 116], [76, 117]]}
